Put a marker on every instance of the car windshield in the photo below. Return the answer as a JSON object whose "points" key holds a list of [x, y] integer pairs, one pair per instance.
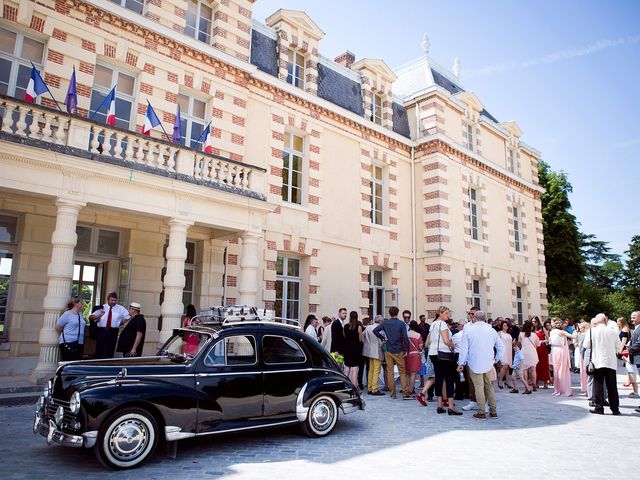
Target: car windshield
{"points": [[184, 345]]}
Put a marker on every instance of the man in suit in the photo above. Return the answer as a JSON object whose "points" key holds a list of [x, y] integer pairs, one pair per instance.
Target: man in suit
{"points": [[337, 332]]}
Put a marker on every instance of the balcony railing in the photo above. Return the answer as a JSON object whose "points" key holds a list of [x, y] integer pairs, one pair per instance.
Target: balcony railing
{"points": [[37, 125]]}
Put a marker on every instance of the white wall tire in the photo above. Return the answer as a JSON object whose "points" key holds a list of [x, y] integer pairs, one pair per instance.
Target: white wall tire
{"points": [[321, 418], [127, 439]]}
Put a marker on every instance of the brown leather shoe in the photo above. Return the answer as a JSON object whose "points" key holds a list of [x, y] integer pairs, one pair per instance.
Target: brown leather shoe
{"points": [[493, 415], [479, 415]]}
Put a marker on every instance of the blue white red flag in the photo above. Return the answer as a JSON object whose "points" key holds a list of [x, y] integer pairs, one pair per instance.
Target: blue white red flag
{"points": [[150, 121], [35, 87]]}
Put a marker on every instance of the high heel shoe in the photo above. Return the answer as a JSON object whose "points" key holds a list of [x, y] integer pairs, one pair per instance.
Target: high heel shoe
{"points": [[453, 412], [440, 410], [500, 386]]}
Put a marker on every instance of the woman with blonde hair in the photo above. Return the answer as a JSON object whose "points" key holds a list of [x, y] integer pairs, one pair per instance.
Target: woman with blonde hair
{"points": [[632, 370], [560, 357], [530, 344]]}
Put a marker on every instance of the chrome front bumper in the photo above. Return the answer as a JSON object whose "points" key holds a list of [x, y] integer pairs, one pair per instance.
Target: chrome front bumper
{"points": [[352, 405], [53, 434]]}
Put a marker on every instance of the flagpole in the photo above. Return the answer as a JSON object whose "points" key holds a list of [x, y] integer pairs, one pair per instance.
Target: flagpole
{"points": [[161, 126], [203, 130], [101, 105], [47, 87]]}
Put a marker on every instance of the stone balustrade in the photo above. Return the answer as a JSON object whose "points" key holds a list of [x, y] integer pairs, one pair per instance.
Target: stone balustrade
{"points": [[121, 147]]}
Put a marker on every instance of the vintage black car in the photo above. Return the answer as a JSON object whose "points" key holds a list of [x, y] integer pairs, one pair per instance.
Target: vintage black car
{"points": [[205, 380]]}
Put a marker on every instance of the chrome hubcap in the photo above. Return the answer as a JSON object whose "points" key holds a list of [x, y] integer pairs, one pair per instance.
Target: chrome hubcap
{"points": [[322, 415], [128, 439]]}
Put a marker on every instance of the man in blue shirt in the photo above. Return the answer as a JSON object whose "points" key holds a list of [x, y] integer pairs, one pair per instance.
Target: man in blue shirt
{"points": [[396, 346]]}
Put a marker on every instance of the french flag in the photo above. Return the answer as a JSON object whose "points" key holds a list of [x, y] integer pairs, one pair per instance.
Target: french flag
{"points": [[150, 121], [35, 87], [208, 143], [110, 101]]}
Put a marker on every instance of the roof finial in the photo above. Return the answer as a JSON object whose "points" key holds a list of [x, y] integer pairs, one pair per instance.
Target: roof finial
{"points": [[425, 44], [456, 67]]}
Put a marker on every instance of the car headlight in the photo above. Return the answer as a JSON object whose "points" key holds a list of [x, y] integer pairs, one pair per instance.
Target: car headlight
{"points": [[48, 389], [74, 403]]}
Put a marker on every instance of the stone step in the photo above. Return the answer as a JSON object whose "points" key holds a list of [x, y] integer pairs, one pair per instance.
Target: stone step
{"points": [[19, 398]]}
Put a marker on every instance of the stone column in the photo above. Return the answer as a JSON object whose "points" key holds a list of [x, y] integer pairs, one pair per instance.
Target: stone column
{"points": [[249, 269], [60, 274], [172, 307]]}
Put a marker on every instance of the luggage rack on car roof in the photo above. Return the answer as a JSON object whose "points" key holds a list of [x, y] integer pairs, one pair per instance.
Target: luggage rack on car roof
{"points": [[242, 314]]}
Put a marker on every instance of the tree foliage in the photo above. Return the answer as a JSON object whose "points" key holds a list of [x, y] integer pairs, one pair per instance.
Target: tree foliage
{"points": [[631, 278]]}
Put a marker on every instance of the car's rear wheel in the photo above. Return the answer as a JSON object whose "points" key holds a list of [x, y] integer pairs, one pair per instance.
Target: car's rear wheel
{"points": [[321, 418], [127, 439]]}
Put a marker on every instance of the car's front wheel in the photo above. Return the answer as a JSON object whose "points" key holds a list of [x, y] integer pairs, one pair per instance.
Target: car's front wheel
{"points": [[127, 439], [321, 418]]}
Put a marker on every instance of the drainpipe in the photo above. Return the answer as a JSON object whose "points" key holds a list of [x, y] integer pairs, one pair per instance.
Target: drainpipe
{"points": [[224, 273], [414, 286]]}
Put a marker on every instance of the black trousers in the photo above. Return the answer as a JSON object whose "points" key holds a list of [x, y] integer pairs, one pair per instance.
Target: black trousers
{"points": [[106, 342], [602, 377], [445, 371]]}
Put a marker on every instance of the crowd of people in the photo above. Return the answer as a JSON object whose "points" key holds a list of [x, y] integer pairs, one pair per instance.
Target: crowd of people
{"points": [[449, 360]]}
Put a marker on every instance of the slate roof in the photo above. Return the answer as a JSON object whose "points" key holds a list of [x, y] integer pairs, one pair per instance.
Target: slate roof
{"points": [[400, 120], [338, 89], [264, 53]]}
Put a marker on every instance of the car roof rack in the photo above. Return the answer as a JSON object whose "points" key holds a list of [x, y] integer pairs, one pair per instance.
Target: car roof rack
{"points": [[227, 316]]}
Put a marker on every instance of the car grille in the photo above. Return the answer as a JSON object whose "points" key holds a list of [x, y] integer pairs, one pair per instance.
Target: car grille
{"points": [[50, 411]]}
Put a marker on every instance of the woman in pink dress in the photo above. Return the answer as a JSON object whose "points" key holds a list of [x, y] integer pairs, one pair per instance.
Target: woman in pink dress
{"points": [[530, 344], [412, 363], [507, 358], [560, 357]]}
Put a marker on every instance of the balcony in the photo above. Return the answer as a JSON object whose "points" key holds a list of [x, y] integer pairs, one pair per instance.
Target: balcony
{"points": [[49, 129]]}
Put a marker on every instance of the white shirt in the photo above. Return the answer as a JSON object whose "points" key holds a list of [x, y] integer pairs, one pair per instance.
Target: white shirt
{"points": [[606, 343], [477, 347], [312, 332], [119, 313], [457, 341], [435, 331]]}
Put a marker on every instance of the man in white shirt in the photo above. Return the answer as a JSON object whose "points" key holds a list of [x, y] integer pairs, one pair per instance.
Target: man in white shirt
{"points": [[604, 343], [109, 318], [472, 405], [476, 351]]}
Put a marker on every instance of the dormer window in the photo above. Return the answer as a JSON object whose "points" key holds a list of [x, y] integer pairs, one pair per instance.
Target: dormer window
{"points": [[470, 138], [295, 69], [376, 109], [511, 161], [199, 19]]}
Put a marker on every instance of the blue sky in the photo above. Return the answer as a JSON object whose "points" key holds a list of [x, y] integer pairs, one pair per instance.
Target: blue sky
{"points": [[567, 71]]}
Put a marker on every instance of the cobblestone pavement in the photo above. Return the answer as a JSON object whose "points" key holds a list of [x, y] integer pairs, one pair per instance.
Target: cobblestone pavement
{"points": [[535, 436]]}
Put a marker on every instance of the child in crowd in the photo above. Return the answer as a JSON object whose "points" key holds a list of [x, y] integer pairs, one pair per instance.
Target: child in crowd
{"points": [[518, 357]]}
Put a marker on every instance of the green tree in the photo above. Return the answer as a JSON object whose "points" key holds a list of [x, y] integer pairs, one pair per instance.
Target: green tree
{"points": [[564, 261], [602, 268], [631, 280]]}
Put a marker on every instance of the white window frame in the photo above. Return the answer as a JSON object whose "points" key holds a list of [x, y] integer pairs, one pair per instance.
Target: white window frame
{"points": [[520, 313], [10, 249], [127, 4], [474, 213], [376, 108], [17, 60], [290, 151], [287, 281], [388, 297], [470, 137], [295, 71], [197, 32], [476, 293], [512, 160], [517, 240], [115, 71], [382, 198], [189, 119]]}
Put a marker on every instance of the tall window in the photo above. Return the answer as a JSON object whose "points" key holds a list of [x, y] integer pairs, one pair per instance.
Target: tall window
{"points": [[16, 54], [376, 108], [103, 81], [519, 304], [288, 286], [99, 241], [85, 284], [8, 230], [199, 16], [133, 5], [476, 294], [470, 138], [376, 292], [511, 161], [516, 228], [377, 195], [292, 168], [473, 213], [295, 69], [188, 292], [192, 120]]}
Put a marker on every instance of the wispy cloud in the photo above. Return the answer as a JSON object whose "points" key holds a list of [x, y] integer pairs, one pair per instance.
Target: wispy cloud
{"points": [[554, 57], [629, 143]]}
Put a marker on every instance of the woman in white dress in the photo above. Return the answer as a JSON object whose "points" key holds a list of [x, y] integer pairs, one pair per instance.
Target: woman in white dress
{"points": [[530, 344], [507, 357]]}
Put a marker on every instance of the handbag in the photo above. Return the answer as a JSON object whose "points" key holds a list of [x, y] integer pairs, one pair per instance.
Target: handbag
{"points": [[444, 356], [591, 368], [423, 358]]}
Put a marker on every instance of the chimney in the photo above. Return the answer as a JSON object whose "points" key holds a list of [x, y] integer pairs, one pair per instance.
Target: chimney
{"points": [[346, 59]]}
